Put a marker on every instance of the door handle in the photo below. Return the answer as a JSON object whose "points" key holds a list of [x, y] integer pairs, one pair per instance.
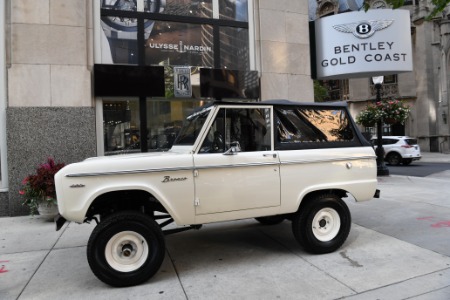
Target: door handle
{"points": [[274, 155]]}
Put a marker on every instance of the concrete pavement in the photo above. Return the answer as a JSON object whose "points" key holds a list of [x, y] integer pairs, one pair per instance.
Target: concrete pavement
{"points": [[398, 248]]}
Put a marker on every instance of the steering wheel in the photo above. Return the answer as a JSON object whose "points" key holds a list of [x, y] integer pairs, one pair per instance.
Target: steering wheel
{"points": [[218, 144]]}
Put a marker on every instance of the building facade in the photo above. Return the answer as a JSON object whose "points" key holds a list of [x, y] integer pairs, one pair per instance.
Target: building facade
{"points": [[63, 96], [425, 89]]}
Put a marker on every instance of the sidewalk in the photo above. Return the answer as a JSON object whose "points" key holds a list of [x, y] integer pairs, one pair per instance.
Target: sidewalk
{"points": [[435, 157], [398, 248]]}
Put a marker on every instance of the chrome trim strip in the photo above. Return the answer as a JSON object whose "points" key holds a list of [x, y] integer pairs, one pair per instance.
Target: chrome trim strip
{"points": [[129, 172], [238, 165], [170, 169], [293, 162], [274, 163]]}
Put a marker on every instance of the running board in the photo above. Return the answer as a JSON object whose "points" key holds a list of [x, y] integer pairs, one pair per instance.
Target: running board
{"points": [[170, 221]]}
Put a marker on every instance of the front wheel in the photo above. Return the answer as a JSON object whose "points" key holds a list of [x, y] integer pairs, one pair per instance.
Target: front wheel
{"points": [[126, 249], [322, 225]]}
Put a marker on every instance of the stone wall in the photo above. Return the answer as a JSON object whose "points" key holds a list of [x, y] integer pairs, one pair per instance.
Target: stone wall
{"points": [[36, 133], [282, 50]]}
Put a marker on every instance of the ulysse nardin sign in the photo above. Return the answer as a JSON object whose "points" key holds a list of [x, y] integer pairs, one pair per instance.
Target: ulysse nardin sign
{"points": [[361, 44]]}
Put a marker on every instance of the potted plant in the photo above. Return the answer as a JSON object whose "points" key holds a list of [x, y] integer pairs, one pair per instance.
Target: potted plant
{"points": [[389, 111], [39, 189], [394, 111], [368, 117]]}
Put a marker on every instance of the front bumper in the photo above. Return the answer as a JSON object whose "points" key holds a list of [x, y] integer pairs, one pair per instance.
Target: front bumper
{"points": [[59, 221]]}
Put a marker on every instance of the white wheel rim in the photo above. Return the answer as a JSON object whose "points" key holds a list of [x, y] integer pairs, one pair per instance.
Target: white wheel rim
{"points": [[126, 251], [326, 224]]}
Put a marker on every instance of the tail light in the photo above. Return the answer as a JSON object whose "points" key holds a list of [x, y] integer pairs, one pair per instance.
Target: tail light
{"points": [[407, 146]]}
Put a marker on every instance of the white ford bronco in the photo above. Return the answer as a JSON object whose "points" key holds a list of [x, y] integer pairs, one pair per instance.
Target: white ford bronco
{"points": [[271, 160]]}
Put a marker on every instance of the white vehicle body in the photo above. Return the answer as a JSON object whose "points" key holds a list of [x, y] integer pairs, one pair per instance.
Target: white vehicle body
{"points": [[268, 160], [198, 188], [399, 149]]}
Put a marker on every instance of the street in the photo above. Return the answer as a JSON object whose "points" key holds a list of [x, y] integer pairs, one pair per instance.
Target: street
{"points": [[419, 169]]}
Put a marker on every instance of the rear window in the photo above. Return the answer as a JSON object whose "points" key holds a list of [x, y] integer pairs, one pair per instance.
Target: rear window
{"points": [[310, 128], [411, 142]]}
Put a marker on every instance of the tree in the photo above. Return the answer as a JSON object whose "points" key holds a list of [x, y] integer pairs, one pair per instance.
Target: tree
{"points": [[439, 6], [320, 92]]}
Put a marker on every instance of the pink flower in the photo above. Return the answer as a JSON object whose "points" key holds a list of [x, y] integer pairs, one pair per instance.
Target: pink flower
{"points": [[25, 180], [22, 192]]}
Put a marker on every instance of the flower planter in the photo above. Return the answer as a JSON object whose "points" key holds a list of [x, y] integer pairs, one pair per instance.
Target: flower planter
{"points": [[390, 121], [47, 211]]}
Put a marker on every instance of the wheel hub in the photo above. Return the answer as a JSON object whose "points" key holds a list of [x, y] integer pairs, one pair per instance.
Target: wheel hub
{"points": [[326, 224], [126, 251]]}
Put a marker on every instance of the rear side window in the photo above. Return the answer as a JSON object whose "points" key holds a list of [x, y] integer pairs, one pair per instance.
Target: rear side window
{"points": [[389, 141], [309, 128], [411, 142]]}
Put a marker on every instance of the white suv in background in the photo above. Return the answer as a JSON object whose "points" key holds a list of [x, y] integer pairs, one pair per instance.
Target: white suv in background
{"points": [[399, 149]]}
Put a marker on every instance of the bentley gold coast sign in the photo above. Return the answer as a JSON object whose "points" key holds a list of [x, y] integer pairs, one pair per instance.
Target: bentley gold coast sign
{"points": [[361, 44]]}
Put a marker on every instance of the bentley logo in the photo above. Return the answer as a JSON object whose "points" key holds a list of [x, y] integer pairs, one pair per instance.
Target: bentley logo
{"points": [[364, 29]]}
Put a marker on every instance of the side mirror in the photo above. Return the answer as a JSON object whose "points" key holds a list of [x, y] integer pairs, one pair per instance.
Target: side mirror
{"points": [[235, 147]]}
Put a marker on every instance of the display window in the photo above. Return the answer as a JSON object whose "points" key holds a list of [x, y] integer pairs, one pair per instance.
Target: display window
{"points": [[234, 48], [122, 125], [182, 44], [236, 10], [181, 35]]}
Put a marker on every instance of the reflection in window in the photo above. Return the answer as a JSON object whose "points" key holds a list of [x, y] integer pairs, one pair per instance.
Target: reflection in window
{"points": [[201, 9], [234, 48], [122, 40], [250, 127], [180, 44], [236, 10], [298, 125], [121, 126]]}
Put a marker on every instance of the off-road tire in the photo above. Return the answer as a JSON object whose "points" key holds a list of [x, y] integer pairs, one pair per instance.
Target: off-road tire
{"points": [[322, 224], [126, 249]]}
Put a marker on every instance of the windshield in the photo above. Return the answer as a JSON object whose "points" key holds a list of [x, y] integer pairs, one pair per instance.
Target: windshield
{"points": [[191, 128]]}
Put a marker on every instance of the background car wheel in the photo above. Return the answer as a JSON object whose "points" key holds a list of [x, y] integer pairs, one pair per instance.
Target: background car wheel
{"points": [[394, 159], [126, 249], [323, 224], [407, 161], [270, 220]]}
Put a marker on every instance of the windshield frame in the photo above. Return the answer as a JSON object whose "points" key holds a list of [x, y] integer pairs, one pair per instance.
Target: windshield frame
{"points": [[192, 127]]}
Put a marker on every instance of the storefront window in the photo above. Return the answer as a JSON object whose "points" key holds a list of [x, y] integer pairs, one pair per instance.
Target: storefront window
{"points": [[234, 48], [120, 42], [236, 10], [121, 126], [180, 35], [180, 44], [201, 9]]}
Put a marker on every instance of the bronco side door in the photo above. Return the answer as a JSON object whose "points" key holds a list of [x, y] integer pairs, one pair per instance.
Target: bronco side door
{"points": [[236, 167]]}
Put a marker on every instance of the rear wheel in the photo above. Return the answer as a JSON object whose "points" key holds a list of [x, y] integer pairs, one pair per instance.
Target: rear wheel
{"points": [[394, 159], [322, 225], [126, 249]]}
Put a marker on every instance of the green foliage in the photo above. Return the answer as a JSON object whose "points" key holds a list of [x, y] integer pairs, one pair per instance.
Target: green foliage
{"points": [[393, 110], [320, 92]]}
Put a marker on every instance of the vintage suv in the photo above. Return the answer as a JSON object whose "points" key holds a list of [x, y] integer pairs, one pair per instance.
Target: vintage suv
{"points": [[271, 160]]}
